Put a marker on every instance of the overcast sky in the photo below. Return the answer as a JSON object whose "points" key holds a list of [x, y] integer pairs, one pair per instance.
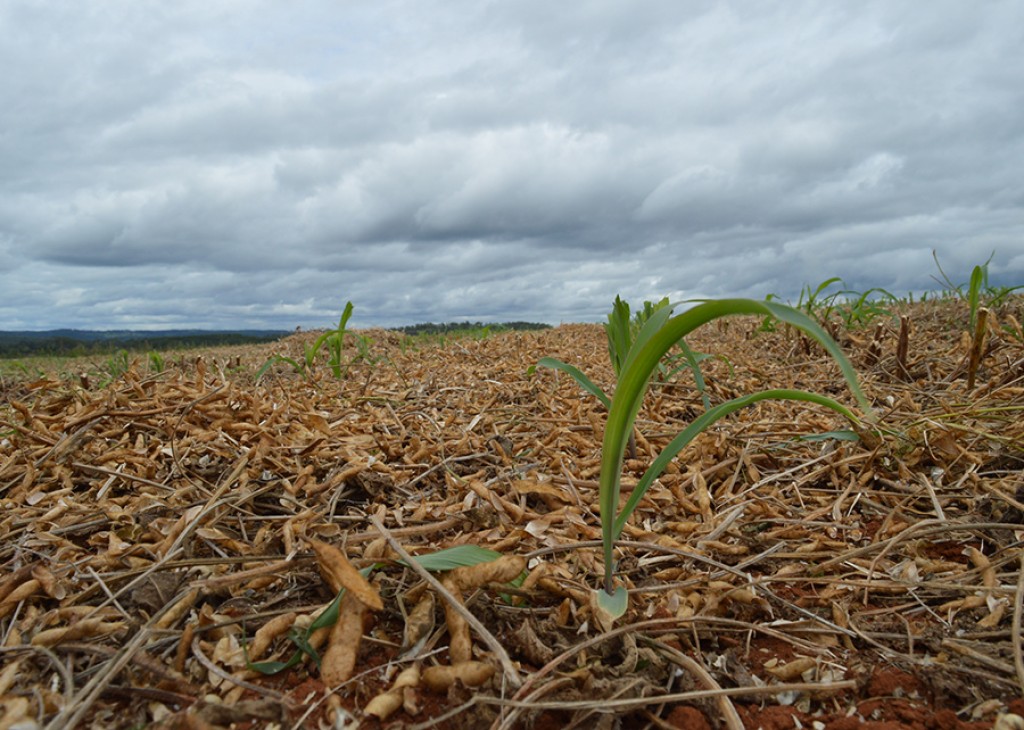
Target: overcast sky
{"points": [[239, 164]]}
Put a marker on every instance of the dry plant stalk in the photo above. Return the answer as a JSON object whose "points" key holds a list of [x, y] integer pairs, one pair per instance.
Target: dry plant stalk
{"points": [[420, 621], [977, 346], [269, 631], [178, 610], [902, 348], [875, 347], [792, 670], [502, 570], [17, 595], [84, 629]]}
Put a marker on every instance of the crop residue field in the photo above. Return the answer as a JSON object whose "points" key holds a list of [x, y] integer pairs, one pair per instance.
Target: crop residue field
{"points": [[170, 535]]}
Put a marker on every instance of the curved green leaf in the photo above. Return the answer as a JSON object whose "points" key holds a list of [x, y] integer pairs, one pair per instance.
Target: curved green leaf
{"points": [[702, 422], [693, 360], [277, 359], [584, 382], [451, 558]]}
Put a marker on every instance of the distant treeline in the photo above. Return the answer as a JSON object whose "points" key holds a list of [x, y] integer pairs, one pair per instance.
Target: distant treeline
{"points": [[76, 343], [429, 328]]}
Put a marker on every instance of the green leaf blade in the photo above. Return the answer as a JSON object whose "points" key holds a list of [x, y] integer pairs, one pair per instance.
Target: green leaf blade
{"points": [[576, 374], [701, 423], [460, 556]]}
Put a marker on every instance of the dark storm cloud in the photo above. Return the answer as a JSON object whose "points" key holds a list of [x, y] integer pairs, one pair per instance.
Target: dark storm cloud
{"points": [[252, 163]]}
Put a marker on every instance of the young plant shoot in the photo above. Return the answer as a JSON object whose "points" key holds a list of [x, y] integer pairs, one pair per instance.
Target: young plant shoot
{"points": [[660, 334]]}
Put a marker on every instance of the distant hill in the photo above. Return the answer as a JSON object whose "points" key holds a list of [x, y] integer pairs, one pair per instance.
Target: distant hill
{"points": [[429, 328], [70, 342]]}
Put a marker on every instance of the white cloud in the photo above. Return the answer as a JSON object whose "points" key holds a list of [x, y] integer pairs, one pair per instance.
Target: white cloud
{"points": [[262, 163]]}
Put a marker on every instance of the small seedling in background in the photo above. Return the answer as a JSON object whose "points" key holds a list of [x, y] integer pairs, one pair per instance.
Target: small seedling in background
{"points": [[116, 366], [861, 311], [334, 341], [768, 323], [24, 369], [363, 350], [979, 292], [156, 362], [814, 304], [1012, 328]]}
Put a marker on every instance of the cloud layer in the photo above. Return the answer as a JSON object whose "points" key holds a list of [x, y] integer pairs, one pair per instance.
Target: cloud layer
{"points": [[250, 164]]}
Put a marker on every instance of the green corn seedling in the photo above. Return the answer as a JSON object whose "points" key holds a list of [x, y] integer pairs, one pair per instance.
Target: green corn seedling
{"points": [[116, 366], [814, 304], [156, 362], [652, 342], [621, 331], [979, 291], [691, 361], [860, 311], [275, 359], [333, 340]]}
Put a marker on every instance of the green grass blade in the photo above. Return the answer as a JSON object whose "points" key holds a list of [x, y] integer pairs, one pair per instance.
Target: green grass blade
{"points": [[974, 293], [812, 299], [273, 359], [841, 435], [346, 313], [274, 667], [301, 640], [951, 288], [329, 616], [694, 363], [584, 382], [451, 558], [311, 352]]}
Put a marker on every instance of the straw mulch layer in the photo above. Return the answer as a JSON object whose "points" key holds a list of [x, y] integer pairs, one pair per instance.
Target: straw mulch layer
{"points": [[158, 531]]}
